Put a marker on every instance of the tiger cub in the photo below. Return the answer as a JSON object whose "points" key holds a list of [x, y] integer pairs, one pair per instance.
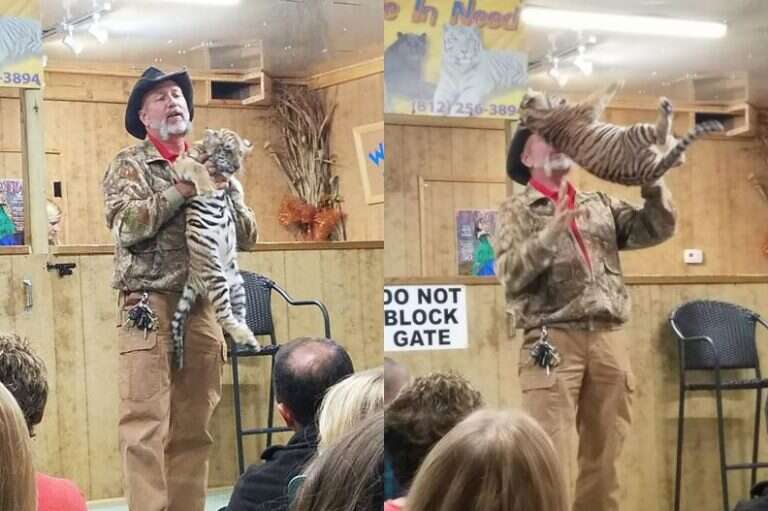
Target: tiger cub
{"points": [[211, 238], [630, 155]]}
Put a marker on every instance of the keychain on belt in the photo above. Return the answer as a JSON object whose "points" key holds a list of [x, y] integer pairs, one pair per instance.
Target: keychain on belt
{"points": [[542, 353], [142, 317]]}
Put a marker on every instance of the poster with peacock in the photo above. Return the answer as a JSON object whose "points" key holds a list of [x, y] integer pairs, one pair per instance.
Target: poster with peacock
{"points": [[460, 58], [475, 229]]}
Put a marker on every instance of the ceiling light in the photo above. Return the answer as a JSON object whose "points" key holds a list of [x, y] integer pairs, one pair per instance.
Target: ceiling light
{"points": [[72, 43], [218, 3], [557, 75], [585, 65], [98, 31], [647, 25]]}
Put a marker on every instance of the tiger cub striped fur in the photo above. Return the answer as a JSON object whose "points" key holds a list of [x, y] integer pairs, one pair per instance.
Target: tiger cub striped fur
{"points": [[630, 155], [211, 238]]}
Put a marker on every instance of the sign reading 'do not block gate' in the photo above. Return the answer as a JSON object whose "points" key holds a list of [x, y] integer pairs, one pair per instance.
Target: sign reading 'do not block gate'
{"points": [[425, 318]]}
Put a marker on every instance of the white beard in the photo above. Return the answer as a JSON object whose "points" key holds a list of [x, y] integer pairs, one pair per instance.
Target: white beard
{"points": [[559, 164], [179, 128]]}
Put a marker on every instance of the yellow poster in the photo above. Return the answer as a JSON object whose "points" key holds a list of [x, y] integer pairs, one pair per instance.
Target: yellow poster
{"points": [[453, 58], [21, 44]]}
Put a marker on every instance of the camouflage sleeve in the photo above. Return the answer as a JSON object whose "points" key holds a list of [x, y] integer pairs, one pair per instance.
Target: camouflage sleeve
{"points": [[648, 225], [134, 212], [520, 254], [245, 220]]}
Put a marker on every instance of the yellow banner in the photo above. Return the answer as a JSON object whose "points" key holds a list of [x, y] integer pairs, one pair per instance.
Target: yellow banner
{"points": [[21, 44], [453, 57]]}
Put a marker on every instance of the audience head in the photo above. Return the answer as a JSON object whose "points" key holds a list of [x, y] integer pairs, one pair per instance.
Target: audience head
{"points": [[23, 373], [349, 402], [396, 376], [421, 414], [17, 475], [518, 463], [347, 476], [305, 369]]}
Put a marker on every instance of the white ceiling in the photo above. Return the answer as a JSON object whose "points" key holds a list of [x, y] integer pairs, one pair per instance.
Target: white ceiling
{"points": [[732, 68], [299, 37], [303, 37]]}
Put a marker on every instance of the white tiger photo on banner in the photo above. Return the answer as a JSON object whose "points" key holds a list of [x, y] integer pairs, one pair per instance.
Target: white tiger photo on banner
{"points": [[470, 74], [20, 38]]}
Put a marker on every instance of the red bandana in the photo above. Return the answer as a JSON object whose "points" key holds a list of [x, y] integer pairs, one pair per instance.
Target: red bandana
{"points": [[167, 152], [571, 192]]}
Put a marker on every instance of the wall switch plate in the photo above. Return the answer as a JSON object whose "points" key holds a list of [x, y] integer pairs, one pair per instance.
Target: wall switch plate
{"points": [[693, 256]]}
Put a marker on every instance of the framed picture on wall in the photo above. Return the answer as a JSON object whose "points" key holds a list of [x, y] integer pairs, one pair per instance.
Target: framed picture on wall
{"points": [[475, 229], [369, 146]]}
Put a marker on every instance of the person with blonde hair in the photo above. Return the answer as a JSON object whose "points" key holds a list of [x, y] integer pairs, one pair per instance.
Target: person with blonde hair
{"points": [[347, 476], [349, 402], [17, 474], [491, 461]]}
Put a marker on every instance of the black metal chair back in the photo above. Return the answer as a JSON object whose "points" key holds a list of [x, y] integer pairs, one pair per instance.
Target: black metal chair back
{"points": [[731, 328], [713, 336], [258, 293]]}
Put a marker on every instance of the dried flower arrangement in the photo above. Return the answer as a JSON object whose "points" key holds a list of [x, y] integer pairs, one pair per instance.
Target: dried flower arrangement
{"points": [[313, 211]]}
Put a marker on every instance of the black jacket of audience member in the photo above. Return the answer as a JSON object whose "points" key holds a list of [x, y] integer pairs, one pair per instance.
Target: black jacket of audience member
{"points": [[264, 487]]}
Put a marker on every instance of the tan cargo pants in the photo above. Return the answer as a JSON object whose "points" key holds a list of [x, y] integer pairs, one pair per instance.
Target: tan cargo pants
{"points": [[165, 413], [591, 390]]}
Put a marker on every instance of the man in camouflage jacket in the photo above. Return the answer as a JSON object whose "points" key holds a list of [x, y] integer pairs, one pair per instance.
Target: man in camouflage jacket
{"points": [[557, 257], [164, 412]]}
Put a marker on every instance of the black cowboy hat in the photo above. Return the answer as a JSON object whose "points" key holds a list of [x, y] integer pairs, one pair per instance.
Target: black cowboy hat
{"points": [[148, 80], [516, 169]]}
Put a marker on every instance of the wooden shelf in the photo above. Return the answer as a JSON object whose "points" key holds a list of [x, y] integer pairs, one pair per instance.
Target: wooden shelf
{"points": [[249, 89], [739, 120]]}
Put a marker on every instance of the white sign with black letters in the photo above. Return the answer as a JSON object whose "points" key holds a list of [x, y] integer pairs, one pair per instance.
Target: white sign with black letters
{"points": [[425, 318]]}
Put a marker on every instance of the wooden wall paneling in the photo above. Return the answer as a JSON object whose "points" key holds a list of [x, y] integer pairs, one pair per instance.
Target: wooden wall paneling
{"points": [[304, 281], [7, 306], [358, 102], [36, 324], [343, 296], [99, 324], [10, 123], [718, 209], [372, 303], [71, 384], [395, 203]]}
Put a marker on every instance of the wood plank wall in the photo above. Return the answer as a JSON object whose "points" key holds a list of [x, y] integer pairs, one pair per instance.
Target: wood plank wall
{"points": [[72, 326], [719, 210], [648, 462], [83, 117], [359, 102]]}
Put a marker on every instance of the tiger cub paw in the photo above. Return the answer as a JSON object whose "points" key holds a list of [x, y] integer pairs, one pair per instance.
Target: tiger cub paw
{"points": [[243, 335]]}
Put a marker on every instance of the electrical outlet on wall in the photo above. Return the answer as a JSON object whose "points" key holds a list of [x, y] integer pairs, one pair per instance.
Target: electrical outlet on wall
{"points": [[693, 256]]}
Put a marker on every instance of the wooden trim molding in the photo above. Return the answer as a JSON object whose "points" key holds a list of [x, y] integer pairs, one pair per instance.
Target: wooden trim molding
{"points": [[15, 250], [70, 250], [344, 74], [632, 280]]}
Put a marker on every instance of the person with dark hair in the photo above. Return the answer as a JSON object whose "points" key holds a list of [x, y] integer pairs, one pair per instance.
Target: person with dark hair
{"points": [[348, 475], [304, 369], [23, 373], [421, 414]]}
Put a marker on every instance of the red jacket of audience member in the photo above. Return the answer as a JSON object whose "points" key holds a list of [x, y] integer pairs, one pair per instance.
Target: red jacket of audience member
{"points": [[58, 495]]}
